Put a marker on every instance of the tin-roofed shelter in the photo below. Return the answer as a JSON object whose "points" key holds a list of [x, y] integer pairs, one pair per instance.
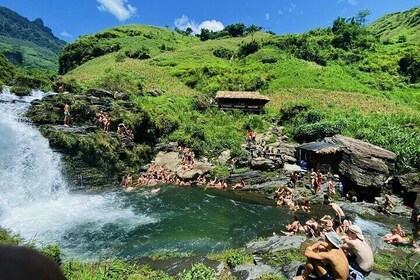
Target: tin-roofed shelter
{"points": [[320, 155], [247, 101]]}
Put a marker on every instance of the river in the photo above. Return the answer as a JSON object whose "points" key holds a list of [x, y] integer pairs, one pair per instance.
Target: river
{"points": [[36, 202]]}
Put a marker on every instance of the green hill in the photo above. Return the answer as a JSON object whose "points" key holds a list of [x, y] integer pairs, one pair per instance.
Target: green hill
{"points": [[28, 43], [341, 79], [398, 27]]}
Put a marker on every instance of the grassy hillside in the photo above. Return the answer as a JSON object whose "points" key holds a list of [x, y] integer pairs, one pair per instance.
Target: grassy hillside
{"points": [[28, 54], [355, 85], [28, 44], [398, 27]]}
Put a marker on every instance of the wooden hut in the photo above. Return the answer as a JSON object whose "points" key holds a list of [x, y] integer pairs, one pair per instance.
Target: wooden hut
{"points": [[247, 101], [322, 156]]}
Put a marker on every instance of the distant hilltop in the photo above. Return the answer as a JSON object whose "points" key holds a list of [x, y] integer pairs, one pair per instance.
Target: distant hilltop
{"points": [[18, 27]]}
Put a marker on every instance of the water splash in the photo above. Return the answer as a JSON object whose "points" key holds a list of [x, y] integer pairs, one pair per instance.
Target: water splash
{"points": [[34, 198]]}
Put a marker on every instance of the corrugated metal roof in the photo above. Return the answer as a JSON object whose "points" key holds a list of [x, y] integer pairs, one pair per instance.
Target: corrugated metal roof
{"points": [[241, 95], [317, 146]]}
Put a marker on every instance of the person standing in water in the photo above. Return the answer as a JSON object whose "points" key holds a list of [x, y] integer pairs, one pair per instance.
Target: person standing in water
{"points": [[66, 115]]}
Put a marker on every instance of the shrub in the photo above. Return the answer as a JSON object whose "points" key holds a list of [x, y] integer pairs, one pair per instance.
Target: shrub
{"points": [[223, 53], [317, 131], [53, 251], [235, 258], [199, 271], [21, 90], [248, 48], [142, 53]]}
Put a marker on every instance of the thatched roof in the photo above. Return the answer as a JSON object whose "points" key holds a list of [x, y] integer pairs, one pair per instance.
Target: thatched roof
{"points": [[329, 150], [241, 95], [322, 147]]}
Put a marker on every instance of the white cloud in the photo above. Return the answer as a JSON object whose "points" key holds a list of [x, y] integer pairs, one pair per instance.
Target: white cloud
{"points": [[267, 16], [65, 34], [280, 12], [292, 6], [184, 22], [353, 2], [119, 8]]}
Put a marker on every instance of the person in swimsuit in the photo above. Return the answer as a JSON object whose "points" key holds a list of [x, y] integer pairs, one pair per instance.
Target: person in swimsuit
{"points": [[66, 115]]}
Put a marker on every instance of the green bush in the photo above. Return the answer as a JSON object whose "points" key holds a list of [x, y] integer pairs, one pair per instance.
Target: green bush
{"points": [[198, 271], [21, 90], [235, 258], [317, 131], [223, 53], [246, 49], [54, 252]]}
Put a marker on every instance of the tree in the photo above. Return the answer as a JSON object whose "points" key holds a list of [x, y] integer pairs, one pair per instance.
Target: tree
{"points": [[205, 34], [252, 29], [235, 30], [188, 31], [361, 17]]}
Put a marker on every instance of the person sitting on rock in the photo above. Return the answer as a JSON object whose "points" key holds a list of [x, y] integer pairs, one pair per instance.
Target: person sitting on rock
{"points": [[360, 253], [239, 185], [327, 224], [312, 227], [294, 228], [325, 260], [397, 235]]}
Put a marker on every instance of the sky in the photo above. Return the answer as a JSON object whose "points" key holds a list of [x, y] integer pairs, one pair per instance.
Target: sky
{"points": [[70, 19]]}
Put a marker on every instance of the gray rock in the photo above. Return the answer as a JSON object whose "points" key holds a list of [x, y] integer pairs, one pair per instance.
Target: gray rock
{"points": [[289, 159], [290, 270], [408, 182], [99, 92], [224, 157], [364, 164], [260, 163], [251, 272], [276, 243]]}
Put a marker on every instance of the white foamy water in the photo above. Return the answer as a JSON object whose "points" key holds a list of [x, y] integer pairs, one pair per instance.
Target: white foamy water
{"points": [[34, 200]]}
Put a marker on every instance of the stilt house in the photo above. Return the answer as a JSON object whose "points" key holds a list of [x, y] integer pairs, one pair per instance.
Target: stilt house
{"points": [[247, 101]]}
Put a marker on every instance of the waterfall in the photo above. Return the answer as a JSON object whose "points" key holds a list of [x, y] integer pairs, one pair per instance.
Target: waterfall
{"points": [[34, 199]]}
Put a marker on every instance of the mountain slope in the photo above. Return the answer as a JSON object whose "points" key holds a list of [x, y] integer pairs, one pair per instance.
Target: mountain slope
{"points": [[397, 27], [28, 43], [327, 81]]}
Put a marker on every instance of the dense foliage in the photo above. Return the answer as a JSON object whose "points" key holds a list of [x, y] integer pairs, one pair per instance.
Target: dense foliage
{"points": [[7, 71]]}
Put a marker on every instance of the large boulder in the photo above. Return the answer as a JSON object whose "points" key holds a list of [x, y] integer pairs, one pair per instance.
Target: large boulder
{"points": [[409, 182], [363, 164], [171, 162], [224, 157], [264, 164]]}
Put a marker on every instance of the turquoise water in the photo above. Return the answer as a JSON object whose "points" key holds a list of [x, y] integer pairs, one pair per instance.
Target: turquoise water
{"points": [[182, 220]]}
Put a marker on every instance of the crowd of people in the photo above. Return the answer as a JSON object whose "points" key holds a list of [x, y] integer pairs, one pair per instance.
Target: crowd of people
{"points": [[158, 175]]}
